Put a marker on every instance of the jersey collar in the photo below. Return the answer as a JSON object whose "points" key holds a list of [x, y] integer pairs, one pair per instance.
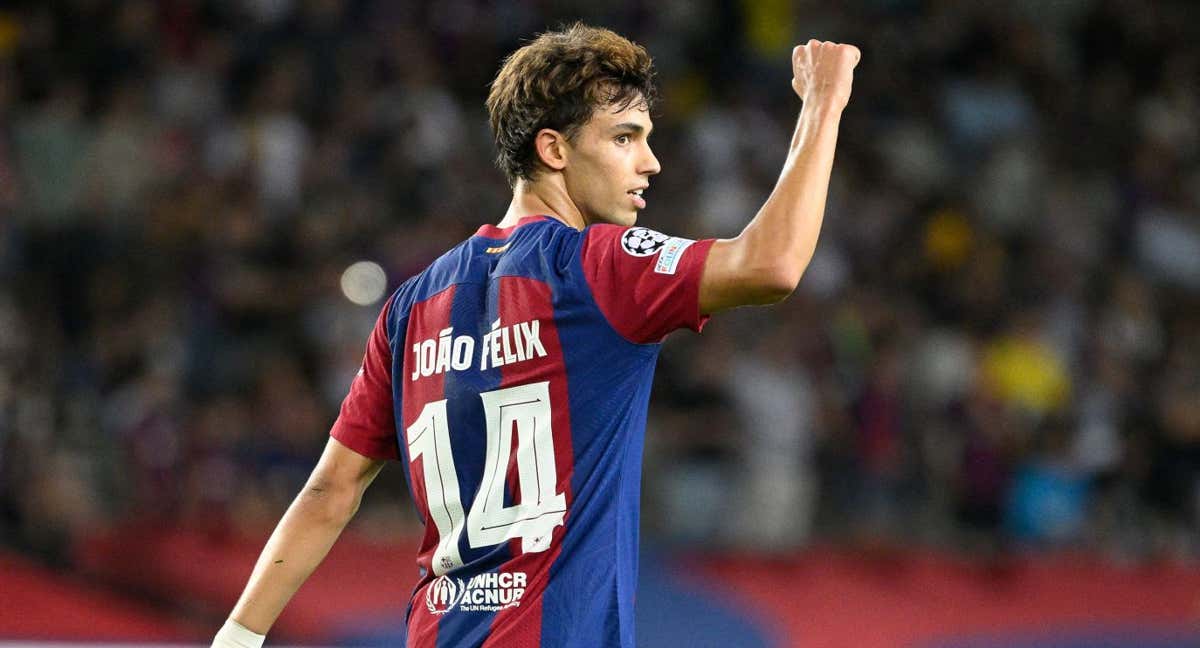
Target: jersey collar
{"points": [[491, 231]]}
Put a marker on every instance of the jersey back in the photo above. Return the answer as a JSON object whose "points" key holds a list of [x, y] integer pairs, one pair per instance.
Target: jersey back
{"points": [[511, 379]]}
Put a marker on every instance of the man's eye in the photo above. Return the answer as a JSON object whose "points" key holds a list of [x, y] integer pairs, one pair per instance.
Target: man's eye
{"points": [[622, 139]]}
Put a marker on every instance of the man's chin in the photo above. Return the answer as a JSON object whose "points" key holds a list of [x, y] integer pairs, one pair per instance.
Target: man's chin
{"points": [[622, 219], [626, 219]]}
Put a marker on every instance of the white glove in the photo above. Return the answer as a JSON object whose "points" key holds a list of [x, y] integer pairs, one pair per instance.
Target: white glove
{"points": [[236, 635]]}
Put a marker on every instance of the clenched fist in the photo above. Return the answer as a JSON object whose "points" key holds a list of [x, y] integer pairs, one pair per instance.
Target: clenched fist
{"points": [[824, 71]]}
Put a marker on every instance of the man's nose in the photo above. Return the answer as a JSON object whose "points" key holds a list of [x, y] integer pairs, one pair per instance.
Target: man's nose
{"points": [[650, 165]]}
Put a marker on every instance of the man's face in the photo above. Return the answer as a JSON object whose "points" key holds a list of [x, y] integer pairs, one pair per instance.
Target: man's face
{"points": [[609, 164]]}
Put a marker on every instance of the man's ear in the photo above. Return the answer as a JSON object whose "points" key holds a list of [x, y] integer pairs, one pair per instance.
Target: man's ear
{"points": [[551, 147]]}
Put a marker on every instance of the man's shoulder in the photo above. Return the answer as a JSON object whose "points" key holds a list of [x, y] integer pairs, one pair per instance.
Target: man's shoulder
{"points": [[539, 248], [528, 250], [435, 277]]}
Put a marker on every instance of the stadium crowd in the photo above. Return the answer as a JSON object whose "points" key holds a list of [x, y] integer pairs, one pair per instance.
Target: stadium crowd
{"points": [[995, 349]]}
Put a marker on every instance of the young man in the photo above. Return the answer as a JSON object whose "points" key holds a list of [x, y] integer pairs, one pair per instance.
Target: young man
{"points": [[511, 378]]}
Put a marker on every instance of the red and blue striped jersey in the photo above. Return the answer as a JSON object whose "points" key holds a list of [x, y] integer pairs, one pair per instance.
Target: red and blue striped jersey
{"points": [[511, 380]]}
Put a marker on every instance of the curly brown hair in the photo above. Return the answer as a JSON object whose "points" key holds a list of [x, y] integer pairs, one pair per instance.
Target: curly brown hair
{"points": [[558, 81]]}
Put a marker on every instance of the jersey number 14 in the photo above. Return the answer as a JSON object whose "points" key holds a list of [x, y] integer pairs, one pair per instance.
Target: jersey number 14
{"points": [[525, 410]]}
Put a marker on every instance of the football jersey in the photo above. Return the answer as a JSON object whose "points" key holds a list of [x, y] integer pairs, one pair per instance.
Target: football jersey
{"points": [[511, 380]]}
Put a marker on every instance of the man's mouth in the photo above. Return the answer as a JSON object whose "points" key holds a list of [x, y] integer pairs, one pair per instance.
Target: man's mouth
{"points": [[638, 200]]}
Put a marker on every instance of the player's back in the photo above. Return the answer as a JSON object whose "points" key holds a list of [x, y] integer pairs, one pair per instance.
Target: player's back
{"points": [[520, 385]]}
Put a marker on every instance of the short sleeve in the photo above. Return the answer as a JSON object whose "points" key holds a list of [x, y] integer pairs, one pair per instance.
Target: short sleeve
{"points": [[366, 423], [647, 284]]}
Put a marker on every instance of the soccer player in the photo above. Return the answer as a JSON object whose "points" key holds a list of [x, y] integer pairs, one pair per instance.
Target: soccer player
{"points": [[510, 379]]}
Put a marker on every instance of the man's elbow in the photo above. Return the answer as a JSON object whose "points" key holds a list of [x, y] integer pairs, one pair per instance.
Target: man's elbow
{"points": [[747, 275], [329, 502], [778, 283]]}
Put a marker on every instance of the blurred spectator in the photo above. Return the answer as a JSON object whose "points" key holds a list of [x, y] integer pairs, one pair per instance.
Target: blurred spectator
{"points": [[1048, 500]]}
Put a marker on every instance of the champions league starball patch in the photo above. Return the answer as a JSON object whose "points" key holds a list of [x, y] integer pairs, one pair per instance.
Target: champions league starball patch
{"points": [[642, 242]]}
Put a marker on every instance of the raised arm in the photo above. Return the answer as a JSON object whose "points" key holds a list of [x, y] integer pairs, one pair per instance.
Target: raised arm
{"points": [[304, 536], [764, 263]]}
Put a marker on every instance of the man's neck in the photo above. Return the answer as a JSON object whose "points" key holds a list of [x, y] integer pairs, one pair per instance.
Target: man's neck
{"points": [[545, 196]]}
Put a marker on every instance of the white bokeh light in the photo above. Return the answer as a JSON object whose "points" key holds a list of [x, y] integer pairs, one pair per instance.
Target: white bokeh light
{"points": [[364, 282]]}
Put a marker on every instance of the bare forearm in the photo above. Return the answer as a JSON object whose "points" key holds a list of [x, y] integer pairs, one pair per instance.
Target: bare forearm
{"points": [[786, 229], [304, 536], [764, 263]]}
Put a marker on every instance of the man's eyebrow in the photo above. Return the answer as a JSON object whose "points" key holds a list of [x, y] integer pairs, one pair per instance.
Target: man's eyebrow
{"points": [[630, 126]]}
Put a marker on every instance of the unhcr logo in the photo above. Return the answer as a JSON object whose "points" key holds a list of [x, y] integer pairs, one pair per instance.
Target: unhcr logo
{"points": [[483, 593], [443, 594]]}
